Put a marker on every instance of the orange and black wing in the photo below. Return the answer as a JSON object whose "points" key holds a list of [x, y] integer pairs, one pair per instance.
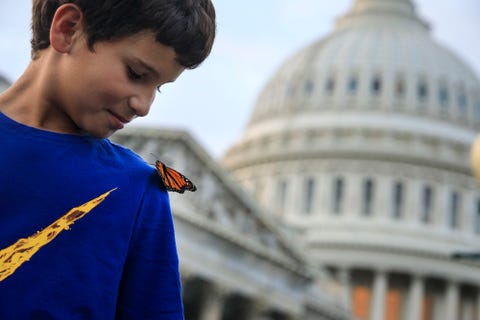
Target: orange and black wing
{"points": [[173, 180]]}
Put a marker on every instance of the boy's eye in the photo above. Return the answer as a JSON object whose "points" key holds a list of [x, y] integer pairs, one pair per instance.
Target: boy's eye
{"points": [[132, 74], [158, 89]]}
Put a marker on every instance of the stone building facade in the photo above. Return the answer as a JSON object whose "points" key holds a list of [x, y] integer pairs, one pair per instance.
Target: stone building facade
{"points": [[236, 263], [360, 145]]}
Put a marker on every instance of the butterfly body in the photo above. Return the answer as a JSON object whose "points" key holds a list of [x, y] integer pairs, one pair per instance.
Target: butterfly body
{"points": [[173, 180]]}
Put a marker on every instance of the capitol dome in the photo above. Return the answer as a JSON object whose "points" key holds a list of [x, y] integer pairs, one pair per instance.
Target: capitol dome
{"points": [[4, 84], [360, 146], [379, 58]]}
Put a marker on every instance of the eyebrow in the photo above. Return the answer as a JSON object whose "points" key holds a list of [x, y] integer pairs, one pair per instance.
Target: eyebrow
{"points": [[152, 70], [148, 67]]}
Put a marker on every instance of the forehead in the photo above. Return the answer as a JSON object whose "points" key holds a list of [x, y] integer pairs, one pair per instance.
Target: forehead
{"points": [[143, 47]]}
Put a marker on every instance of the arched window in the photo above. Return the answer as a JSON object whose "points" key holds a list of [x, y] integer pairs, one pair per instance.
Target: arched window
{"points": [[367, 201], [376, 85], [443, 96], [462, 101], [309, 195], [453, 214], [397, 200], [330, 85], [426, 209], [309, 86], [400, 88], [337, 196], [422, 90], [352, 85]]}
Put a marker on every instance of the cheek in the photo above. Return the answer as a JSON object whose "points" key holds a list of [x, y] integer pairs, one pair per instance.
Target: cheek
{"points": [[106, 90], [112, 83], [100, 84]]}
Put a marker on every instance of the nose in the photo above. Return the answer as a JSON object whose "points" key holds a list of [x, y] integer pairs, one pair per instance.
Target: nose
{"points": [[141, 101]]}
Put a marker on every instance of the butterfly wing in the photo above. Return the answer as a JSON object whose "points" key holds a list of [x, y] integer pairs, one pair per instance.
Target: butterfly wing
{"points": [[172, 179]]}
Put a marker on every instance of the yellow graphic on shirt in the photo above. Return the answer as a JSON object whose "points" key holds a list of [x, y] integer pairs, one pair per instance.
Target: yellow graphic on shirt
{"points": [[12, 257]]}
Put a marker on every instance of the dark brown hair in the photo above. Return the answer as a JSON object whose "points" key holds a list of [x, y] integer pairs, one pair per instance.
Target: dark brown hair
{"points": [[186, 25]]}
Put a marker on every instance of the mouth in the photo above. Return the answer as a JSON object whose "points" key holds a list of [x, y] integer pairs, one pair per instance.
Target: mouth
{"points": [[118, 121]]}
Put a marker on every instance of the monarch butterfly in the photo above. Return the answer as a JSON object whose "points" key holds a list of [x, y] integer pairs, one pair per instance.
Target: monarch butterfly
{"points": [[173, 180]]}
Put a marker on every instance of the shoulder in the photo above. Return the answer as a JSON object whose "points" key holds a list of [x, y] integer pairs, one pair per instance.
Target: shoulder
{"points": [[125, 159], [131, 166], [137, 183], [122, 152]]}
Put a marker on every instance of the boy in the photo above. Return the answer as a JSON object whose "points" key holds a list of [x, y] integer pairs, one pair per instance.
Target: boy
{"points": [[86, 230]]}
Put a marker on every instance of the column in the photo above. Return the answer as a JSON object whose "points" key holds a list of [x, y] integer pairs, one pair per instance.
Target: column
{"points": [[451, 310], [415, 298], [379, 292], [344, 278], [213, 304]]}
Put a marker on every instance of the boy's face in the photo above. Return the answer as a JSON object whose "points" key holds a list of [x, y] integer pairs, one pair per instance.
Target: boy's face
{"points": [[100, 91]]}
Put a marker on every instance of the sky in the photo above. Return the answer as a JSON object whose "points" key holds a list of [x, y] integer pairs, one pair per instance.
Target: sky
{"points": [[254, 38]]}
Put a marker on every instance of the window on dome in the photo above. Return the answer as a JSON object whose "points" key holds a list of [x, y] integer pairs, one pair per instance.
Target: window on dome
{"points": [[330, 85], [309, 86], [376, 85], [453, 214], [422, 90], [337, 195], [309, 195], [367, 197], [443, 96], [352, 85], [427, 200], [400, 88], [397, 200], [462, 101]]}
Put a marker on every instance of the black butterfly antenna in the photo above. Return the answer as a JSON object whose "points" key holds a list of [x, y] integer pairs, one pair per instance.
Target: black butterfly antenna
{"points": [[156, 157]]}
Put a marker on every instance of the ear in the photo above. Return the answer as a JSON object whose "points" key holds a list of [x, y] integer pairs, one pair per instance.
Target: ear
{"points": [[67, 25]]}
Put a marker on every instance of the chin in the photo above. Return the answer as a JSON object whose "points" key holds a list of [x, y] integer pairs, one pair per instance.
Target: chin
{"points": [[97, 134]]}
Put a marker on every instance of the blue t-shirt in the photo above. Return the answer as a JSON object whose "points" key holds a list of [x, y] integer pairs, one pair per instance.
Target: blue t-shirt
{"points": [[80, 258]]}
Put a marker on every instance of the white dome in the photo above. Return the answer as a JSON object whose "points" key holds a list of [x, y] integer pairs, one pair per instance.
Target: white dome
{"points": [[379, 71], [4, 83], [379, 58], [360, 143]]}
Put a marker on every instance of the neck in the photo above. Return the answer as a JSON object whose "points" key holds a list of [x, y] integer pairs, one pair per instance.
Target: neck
{"points": [[30, 99]]}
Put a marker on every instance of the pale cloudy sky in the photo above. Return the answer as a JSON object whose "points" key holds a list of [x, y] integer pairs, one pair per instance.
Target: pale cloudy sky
{"points": [[254, 38]]}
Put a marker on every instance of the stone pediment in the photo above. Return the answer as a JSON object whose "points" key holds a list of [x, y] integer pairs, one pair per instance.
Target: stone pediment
{"points": [[220, 205]]}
